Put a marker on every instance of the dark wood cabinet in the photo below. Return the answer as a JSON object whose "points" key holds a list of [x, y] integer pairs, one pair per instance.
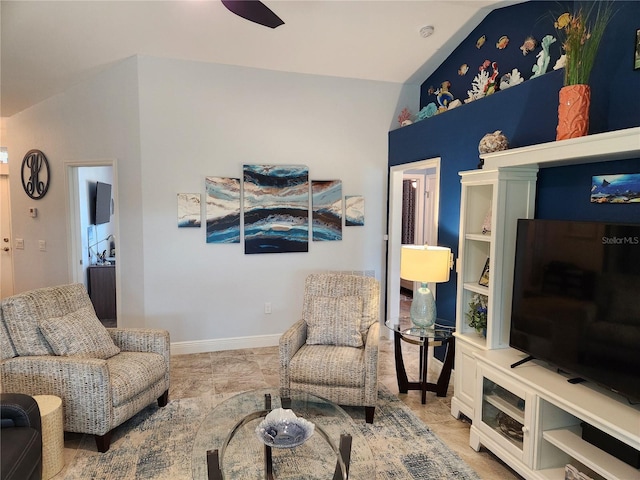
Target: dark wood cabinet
{"points": [[102, 290]]}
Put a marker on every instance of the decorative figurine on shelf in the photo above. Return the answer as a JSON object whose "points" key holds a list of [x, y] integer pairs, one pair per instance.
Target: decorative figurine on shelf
{"points": [[405, 118], [529, 45], [428, 111], [540, 68], [492, 142], [492, 84], [443, 95], [511, 79]]}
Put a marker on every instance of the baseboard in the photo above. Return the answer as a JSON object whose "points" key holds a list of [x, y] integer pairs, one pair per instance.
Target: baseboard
{"points": [[219, 344]]}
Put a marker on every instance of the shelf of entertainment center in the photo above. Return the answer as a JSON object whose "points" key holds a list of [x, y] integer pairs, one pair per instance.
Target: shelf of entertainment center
{"points": [[569, 440], [476, 288], [561, 410], [479, 237]]}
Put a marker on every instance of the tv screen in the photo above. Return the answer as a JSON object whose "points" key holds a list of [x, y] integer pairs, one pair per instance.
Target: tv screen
{"points": [[576, 299], [103, 203]]}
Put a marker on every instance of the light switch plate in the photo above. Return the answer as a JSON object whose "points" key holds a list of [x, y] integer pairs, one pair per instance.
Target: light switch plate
{"points": [[20, 243]]}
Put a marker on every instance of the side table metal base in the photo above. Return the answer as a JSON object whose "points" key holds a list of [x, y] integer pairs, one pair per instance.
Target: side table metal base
{"points": [[404, 385]]}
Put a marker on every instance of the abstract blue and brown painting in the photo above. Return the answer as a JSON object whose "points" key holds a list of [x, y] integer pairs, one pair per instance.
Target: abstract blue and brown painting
{"points": [[354, 206], [622, 188], [189, 210], [326, 200], [223, 209], [276, 208]]}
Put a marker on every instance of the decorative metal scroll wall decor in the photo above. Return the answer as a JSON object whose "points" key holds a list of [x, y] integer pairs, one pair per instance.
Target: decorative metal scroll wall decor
{"points": [[276, 208], [36, 174], [223, 209], [189, 210], [327, 210]]}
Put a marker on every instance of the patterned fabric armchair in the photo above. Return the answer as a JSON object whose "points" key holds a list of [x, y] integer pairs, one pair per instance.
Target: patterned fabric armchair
{"points": [[51, 343], [332, 351]]}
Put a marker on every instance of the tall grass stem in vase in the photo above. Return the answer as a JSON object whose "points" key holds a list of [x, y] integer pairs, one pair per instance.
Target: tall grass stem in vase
{"points": [[581, 33]]}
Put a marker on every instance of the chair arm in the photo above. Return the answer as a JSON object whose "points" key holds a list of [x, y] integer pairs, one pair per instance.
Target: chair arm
{"points": [[83, 384], [142, 340], [19, 410], [371, 363], [290, 342]]}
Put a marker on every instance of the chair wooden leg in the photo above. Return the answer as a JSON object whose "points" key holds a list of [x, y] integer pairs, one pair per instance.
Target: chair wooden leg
{"points": [[163, 399], [103, 442], [368, 414]]}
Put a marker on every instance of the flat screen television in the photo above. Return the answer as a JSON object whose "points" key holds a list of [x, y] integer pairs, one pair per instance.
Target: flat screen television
{"points": [[102, 213], [576, 300]]}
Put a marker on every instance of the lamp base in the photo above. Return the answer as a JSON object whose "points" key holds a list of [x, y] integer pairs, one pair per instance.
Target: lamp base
{"points": [[423, 307]]}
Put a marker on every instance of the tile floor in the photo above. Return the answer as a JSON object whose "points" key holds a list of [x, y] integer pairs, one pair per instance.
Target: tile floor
{"points": [[239, 370]]}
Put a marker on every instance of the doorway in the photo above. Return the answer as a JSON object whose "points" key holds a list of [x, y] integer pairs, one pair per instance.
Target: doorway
{"points": [[426, 173], [6, 252], [93, 233]]}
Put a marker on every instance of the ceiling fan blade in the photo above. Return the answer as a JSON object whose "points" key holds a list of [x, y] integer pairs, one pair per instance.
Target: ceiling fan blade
{"points": [[254, 11]]}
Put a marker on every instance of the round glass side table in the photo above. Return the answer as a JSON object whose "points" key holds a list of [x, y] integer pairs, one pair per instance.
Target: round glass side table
{"points": [[404, 330]]}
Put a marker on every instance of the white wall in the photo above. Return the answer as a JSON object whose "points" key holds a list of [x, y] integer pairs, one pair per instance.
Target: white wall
{"points": [[195, 120], [93, 121]]}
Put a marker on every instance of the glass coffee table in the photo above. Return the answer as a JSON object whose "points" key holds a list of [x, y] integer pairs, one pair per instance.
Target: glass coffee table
{"points": [[227, 447]]}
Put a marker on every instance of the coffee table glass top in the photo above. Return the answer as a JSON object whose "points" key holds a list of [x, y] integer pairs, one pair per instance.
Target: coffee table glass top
{"points": [[244, 457], [406, 328]]}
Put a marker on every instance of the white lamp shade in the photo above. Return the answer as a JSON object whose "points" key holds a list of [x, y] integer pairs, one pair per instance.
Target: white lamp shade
{"points": [[424, 263]]}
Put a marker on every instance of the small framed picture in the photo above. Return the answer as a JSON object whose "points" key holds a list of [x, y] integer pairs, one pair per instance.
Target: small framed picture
{"points": [[484, 278], [636, 52]]}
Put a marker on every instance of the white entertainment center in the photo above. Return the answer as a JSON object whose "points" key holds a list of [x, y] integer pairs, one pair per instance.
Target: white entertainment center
{"points": [[529, 416]]}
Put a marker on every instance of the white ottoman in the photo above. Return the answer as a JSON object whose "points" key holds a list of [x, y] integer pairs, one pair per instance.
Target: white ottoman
{"points": [[52, 434]]}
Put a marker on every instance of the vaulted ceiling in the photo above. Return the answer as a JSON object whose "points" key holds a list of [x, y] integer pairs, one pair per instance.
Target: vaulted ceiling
{"points": [[47, 46]]}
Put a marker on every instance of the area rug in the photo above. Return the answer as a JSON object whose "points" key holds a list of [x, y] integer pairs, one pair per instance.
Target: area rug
{"points": [[157, 444]]}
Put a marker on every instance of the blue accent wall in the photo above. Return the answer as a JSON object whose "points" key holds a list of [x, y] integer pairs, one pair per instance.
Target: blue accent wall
{"points": [[527, 115]]}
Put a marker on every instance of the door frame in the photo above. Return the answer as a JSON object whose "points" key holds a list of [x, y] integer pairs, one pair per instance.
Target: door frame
{"points": [[7, 284], [394, 227], [74, 235]]}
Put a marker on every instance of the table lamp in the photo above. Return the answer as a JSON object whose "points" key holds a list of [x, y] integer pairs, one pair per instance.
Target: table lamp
{"points": [[424, 264]]}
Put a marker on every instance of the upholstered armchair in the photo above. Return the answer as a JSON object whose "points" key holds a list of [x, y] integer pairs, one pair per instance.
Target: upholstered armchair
{"points": [[332, 351], [51, 343]]}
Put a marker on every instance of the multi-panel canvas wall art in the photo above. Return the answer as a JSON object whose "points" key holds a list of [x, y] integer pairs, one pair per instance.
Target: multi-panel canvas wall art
{"points": [[276, 208], [326, 200], [354, 215], [189, 210], [223, 209]]}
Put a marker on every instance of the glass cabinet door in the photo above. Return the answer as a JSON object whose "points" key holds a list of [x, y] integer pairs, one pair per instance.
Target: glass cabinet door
{"points": [[503, 412]]}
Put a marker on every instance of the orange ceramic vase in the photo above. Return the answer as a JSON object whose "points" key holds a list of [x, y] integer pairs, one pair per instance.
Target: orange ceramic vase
{"points": [[573, 112]]}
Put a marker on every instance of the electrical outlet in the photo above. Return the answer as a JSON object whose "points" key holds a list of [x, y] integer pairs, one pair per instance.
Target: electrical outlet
{"points": [[267, 307], [20, 243], [42, 245]]}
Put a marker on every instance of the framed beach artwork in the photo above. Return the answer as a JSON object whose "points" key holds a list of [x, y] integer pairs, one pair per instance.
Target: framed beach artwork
{"points": [[620, 188], [189, 214], [326, 208], [223, 209], [276, 208], [354, 210]]}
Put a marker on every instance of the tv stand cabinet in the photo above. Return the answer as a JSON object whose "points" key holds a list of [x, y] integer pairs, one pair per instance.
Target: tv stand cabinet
{"points": [[549, 410]]}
